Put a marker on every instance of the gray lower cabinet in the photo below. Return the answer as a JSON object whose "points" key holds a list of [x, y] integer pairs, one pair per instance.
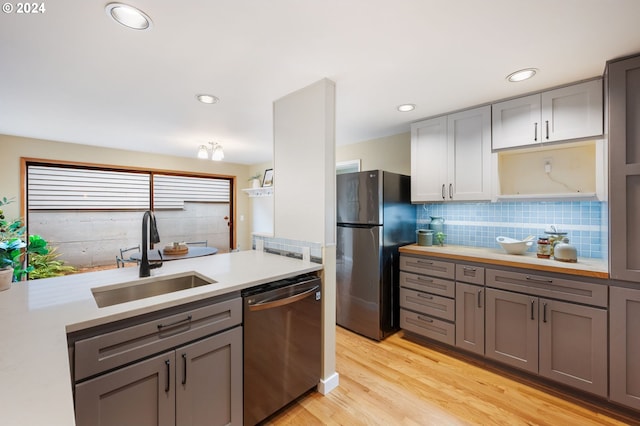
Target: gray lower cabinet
{"points": [[573, 346], [558, 340], [512, 329], [624, 331], [427, 298], [134, 395], [470, 317], [196, 384]]}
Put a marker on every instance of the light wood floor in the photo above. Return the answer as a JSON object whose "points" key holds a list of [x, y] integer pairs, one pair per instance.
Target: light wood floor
{"points": [[401, 382]]}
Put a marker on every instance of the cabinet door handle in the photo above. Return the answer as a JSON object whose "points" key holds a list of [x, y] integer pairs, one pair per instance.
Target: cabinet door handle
{"points": [[533, 305], [547, 124], [451, 191], [539, 280], [544, 312], [443, 196], [184, 369], [425, 319], [535, 132], [479, 298], [187, 319], [168, 384], [425, 296]]}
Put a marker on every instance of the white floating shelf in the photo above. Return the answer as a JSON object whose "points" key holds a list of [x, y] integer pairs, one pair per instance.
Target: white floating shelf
{"points": [[259, 192]]}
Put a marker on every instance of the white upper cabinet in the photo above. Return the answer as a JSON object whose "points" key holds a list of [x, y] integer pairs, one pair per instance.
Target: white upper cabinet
{"points": [[428, 159], [451, 157], [567, 113]]}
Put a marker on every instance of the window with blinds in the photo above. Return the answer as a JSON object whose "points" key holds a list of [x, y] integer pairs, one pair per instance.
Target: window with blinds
{"points": [[62, 188], [171, 192], [65, 188]]}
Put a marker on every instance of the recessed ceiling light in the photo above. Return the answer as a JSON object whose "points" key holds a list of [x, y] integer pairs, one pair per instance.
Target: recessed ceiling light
{"points": [[406, 107], [128, 16], [207, 99], [521, 75]]}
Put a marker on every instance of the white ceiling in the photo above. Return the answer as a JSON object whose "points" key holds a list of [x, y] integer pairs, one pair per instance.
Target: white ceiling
{"points": [[72, 74]]}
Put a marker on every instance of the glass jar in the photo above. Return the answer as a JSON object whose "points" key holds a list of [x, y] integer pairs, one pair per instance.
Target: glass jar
{"points": [[544, 248], [436, 224]]}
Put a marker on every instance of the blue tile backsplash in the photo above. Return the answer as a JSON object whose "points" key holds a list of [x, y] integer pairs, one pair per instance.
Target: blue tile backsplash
{"points": [[478, 224]]}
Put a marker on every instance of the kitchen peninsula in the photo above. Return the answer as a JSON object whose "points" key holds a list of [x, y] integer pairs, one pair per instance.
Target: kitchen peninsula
{"points": [[37, 315]]}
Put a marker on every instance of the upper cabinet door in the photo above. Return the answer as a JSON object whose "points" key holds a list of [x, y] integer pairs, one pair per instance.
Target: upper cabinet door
{"points": [[567, 113], [469, 143], [429, 160], [516, 122], [572, 112]]}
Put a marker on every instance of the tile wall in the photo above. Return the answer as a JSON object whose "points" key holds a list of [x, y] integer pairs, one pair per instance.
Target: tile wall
{"points": [[478, 224], [286, 247]]}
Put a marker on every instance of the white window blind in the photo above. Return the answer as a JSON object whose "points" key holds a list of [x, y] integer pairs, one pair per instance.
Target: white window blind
{"points": [[171, 192], [61, 188]]}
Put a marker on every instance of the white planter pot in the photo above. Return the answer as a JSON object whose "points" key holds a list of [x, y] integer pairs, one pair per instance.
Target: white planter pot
{"points": [[6, 275], [255, 183]]}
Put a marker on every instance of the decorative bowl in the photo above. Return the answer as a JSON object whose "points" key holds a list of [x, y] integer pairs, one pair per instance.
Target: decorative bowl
{"points": [[513, 246]]}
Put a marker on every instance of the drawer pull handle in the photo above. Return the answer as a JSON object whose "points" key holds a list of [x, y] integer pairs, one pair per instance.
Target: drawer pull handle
{"points": [[426, 280], [187, 319], [168, 384], [469, 268], [421, 318], [184, 369], [425, 262], [425, 296], [539, 280]]}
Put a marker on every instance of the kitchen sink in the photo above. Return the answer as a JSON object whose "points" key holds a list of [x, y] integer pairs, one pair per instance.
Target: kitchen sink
{"points": [[148, 287]]}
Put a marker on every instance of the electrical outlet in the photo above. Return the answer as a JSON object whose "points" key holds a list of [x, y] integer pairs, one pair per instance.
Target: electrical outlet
{"points": [[306, 255], [547, 164]]}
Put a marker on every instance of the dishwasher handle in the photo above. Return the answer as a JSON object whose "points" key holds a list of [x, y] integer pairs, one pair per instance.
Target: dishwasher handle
{"points": [[274, 303]]}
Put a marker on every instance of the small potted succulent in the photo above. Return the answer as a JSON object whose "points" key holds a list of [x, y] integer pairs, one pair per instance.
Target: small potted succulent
{"points": [[13, 249], [255, 180]]}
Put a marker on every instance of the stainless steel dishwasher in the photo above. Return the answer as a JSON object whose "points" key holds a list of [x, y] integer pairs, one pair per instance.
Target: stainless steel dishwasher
{"points": [[282, 344]]}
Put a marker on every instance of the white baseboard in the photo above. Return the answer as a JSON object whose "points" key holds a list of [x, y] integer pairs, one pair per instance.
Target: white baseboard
{"points": [[329, 384]]}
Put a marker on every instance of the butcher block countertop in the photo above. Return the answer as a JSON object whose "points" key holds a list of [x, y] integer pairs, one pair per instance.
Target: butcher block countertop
{"points": [[585, 267]]}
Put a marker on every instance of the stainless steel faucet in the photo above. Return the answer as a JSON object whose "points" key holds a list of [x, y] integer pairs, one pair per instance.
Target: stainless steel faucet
{"points": [[148, 221]]}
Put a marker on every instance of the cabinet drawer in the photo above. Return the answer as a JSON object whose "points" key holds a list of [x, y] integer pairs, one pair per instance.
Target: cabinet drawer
{"points": [[116, 348], [555, 288], [426, 303], [428, 327], [470, 274], [429, 284], [422, 265]]}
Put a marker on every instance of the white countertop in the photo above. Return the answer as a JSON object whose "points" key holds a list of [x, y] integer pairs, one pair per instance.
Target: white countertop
{"points": [[35, 317]]}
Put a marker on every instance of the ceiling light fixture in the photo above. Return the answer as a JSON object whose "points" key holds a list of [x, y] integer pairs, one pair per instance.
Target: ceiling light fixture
{"points": [[207, 99], [128, 16], [522, 75], [406, 107], [217, 154]]}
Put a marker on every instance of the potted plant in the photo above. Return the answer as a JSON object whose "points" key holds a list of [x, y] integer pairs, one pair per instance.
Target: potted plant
{"points": [[13, 249], [255, 180]]}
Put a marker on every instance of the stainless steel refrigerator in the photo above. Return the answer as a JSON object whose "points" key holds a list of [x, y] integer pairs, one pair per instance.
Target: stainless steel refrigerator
{"points": [[374, 217]]}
